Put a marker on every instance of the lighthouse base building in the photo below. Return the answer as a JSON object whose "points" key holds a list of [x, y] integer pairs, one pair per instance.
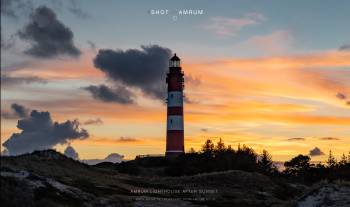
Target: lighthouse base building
{"points": [[175, 121]]}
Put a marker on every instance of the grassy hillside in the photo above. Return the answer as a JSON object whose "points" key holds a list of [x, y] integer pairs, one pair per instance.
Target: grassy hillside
{"points": [[48, 178]]}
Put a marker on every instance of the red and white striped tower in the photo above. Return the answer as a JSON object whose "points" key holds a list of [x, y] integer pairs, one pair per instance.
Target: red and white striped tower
{"points": [[175, 120]]}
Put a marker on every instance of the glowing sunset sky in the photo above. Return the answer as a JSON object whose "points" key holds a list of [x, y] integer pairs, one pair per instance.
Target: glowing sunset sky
{"points": [[269, 74]]}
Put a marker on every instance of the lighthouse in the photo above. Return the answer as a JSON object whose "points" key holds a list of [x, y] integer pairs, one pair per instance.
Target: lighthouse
{"points": [[175, 120]]}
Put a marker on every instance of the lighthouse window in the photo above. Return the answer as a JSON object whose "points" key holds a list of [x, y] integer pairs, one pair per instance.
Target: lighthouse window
{"points": [[171, 95], [171, 121]]}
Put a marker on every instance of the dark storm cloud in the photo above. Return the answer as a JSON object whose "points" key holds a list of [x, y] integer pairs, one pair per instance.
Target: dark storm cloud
{"points": [[296, 139], [348, 103], [70, 152], [97, 121], [17, 111], [9, 81], [118, 94], [316, 152], [47, 35], [40, 132], [344, 47], [341, 96], [329, 138], [144, 69], [20, 110]]}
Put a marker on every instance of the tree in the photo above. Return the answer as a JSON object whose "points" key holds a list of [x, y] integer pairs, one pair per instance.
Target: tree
{"points": [[192, 151], [298, 165], [265, 163], [208, 147], [343, 160], [245, 158], [331, 162], [220, 146]]}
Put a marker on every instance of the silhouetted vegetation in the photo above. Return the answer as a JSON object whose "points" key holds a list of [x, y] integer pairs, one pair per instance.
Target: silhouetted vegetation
{"points": [[301, 170], [48, 178], [219, 157], [213, 158]]}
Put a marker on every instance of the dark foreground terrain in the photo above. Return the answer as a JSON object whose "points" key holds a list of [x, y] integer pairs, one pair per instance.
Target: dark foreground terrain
{"points": [[48, 178]]}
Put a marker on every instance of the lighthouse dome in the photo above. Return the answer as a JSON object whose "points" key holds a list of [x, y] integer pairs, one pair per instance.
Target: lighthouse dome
{"points": [[175, 58], [174, 61]]}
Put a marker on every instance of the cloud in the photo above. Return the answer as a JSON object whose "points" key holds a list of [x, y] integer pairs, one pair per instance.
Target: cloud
{"points": [[204, 130], [344, 98], [188, 100], [276, 43], [225, 27], [143, 69], [70, 152], [114, 141], [20, 110], [296, 139], [7, 43], [341, 96], [329, 138], [113, 157], [118, 94], [316, 152], [17, 111], [191, 80], [7, 8], [12, 8], [19, 65], [127, 139], [345, 47], [40, 132], [92, 45], [96, 121], [16, 8], [75, 9], [47, 35], [10, 81], [5, 152]]}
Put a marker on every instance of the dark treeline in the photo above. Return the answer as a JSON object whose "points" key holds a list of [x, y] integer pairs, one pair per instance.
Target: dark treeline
{"points": [[219, 157]]}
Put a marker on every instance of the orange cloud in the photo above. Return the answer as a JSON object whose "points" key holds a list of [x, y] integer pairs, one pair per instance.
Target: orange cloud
{"points": [[63, 69], [297, 91], [311, 77], [268, 117], [319, 60], [117, 141]]}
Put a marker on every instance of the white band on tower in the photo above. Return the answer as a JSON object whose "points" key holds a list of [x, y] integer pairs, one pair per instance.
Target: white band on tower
{"points": [[175, 98], [175, 122]]}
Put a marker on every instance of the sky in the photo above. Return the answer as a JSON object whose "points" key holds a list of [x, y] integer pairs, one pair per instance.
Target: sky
{"points": [[90, 75]]}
